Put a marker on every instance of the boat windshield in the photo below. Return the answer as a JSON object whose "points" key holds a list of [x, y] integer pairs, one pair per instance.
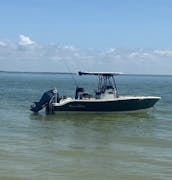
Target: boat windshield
{"points": [[106, 82]]}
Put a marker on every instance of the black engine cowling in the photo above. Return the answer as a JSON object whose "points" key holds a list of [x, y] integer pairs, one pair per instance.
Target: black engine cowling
{"points": [[44, 101]]}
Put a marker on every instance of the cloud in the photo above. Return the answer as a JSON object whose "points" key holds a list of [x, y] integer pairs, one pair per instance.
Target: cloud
{"points": [[27, 55], [167, 52], [133, 55], [2, 44], [25, 41]]}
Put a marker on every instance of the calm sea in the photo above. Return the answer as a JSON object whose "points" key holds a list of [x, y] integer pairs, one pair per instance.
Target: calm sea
{"points": [[77, 146]]}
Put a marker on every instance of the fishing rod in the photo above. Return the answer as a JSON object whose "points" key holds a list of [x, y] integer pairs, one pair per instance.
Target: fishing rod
{"points": [[72, 74]]}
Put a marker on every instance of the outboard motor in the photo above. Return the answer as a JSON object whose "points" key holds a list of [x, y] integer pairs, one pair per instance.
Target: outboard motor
{"points": [[45, 99]]}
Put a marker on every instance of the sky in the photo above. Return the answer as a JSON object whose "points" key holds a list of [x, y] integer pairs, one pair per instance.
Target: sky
{"points": [[131, 36]]}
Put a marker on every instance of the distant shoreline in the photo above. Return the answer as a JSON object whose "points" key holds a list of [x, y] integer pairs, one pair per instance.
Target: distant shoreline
{"points": [[68, 73], [27, 72]]}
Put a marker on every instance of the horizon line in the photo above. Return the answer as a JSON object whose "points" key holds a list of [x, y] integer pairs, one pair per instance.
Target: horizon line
{"points": [[46, 72]]}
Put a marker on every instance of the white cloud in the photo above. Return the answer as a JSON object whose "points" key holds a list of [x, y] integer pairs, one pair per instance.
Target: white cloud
{"points": [[133, 55], [111, 50], [2, 44], [29, 56], [167, 52], [71, 48], [25, 41]]}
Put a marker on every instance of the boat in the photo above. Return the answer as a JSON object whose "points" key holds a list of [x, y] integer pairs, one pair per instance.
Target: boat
{"points": [[105, 99]]}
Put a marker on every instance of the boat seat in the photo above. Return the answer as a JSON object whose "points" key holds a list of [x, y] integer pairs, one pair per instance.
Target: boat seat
{"points": [[85, 96]]}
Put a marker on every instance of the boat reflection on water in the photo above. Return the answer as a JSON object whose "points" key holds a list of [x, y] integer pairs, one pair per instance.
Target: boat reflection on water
{"points": [[91, 116]]}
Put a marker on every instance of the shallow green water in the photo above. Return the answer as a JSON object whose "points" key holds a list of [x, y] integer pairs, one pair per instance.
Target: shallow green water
{"points": [[83, 145]]}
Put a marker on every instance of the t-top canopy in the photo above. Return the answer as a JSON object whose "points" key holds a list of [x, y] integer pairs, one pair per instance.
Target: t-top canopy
{"points": [[99, 73]]}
